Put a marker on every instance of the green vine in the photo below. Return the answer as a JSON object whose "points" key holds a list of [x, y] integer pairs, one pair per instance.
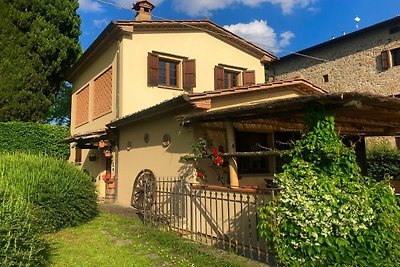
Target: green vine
{"points": [[327, 213]]}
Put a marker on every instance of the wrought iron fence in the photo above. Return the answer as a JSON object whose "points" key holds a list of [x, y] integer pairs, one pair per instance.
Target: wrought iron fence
{"points": [[224, 217]]}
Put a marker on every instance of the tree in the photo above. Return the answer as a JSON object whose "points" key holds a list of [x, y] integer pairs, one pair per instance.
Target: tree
{"points": [[60, 112], [38, 44], [327, 213]]}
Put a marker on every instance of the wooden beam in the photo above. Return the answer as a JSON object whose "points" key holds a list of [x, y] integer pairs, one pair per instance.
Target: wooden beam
{"points": [[230, 141]]}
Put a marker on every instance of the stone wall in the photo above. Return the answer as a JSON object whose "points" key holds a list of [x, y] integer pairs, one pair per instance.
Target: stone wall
{"points": [[353, 64]]}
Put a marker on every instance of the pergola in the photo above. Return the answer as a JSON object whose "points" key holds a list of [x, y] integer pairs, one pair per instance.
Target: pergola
{"points": [[355, 114]]}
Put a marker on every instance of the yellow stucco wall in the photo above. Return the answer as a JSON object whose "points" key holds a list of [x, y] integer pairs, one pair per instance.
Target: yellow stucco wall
{"points": [[161, 161], [206, 49]]}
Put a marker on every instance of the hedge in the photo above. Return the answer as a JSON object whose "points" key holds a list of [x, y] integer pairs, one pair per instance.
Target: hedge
{"points": [[35, 138], [65, 195], [383, 160]]}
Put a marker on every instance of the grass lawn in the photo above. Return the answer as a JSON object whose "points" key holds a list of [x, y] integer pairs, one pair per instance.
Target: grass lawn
{"points": [[111, 240]]}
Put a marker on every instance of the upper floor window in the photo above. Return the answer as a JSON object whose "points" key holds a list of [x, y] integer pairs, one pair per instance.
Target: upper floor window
{"points": [[82, 106], [168, 72], [390, 58], [171, 71], [228, 77], [102, 91]]}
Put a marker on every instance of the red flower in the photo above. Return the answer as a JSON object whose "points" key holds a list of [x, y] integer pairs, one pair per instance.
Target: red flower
{"points": [[215, 152], [219, 161], [200, 174]]}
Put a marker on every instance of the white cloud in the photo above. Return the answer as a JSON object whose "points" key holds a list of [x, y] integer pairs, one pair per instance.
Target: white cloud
{"points": [[100, 23], [205, 7], [261, 35], [90, 6]]}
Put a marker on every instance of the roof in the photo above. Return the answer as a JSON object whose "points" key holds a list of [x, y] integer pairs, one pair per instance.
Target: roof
{"points": [[116, 28], [196, 100], [355, 113], [308, 51], [297, 84], [91, 135]]}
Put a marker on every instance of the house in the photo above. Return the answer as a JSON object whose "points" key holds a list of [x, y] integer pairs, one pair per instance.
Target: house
{"points": [[134, 65], [367, 60]]}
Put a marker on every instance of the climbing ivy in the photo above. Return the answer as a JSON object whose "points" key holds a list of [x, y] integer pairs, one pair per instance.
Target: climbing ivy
{"points": [[327, 213]]}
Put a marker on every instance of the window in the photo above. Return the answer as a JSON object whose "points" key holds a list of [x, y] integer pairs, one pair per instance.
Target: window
{"points": [[390, 58], [102, 94], [395, 53], [228, 77], [168, 73], [78, 155], [326, 78], [251, 142], [82, 106], [171, 71]]}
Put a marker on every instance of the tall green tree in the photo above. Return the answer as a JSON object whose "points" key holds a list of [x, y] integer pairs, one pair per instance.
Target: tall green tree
{"points": [[38, 44]]}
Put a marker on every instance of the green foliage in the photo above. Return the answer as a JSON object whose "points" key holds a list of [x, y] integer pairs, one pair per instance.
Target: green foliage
{"points": [[60, 111], [20, 241], [34, 138], [383, 160], [39, 43], [327, 213], [64, 195]]}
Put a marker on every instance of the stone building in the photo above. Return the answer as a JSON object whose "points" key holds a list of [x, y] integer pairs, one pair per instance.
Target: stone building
{"points": [[367, 60]]}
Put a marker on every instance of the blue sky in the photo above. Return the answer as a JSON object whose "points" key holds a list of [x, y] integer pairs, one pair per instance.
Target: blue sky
{"points": [[279, 26]]}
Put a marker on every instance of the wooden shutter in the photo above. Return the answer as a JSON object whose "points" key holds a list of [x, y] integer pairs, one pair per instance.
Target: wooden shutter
{"points": [[385, 60], [249, 77], [78, 154], [189, 74], [219, 77], [152, 69]]}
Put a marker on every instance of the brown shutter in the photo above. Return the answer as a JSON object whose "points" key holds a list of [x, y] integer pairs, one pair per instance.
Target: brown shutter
{"points": [[385, 60], [249, 77], [189, 74], [152, 69], [219, 77], [78, 154]]}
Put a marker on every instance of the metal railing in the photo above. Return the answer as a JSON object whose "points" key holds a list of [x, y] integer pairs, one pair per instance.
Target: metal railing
{"points": [[224, 217]]}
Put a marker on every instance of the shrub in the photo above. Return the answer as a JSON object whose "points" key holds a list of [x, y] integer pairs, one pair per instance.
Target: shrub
{"points": [[20, 241], [65, 195], [34, 138], [327, 213], [382, 161]]}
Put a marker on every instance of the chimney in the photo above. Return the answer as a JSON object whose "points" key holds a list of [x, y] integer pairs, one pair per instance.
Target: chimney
{"points": [[143, 10]]}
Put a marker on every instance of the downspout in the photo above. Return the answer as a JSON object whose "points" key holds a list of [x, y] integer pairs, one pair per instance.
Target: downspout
{"points": [[117, 115]]}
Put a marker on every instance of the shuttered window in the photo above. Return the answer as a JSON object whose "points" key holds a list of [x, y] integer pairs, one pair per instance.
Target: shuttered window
{"points": [[228, 78], [189, 74], [102, 93], [395, 53], [171, 72]]}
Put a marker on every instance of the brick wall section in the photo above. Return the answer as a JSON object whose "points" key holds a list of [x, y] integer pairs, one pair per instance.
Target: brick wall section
{"points": [[102, 94], [82, 107], [354, 65]]}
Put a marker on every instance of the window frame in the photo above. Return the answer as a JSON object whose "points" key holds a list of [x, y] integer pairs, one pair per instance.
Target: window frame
{"points": [[178, 73], [388, 56], [231, 78]]}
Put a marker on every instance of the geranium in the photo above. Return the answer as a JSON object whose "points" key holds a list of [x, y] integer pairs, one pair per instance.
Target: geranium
{"points": [[219, 161]]}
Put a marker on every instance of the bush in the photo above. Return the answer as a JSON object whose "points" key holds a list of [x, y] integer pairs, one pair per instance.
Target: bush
{"points": [[34, 138], [65, 195], [382, 161], [327, 213], [20, 241]]}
